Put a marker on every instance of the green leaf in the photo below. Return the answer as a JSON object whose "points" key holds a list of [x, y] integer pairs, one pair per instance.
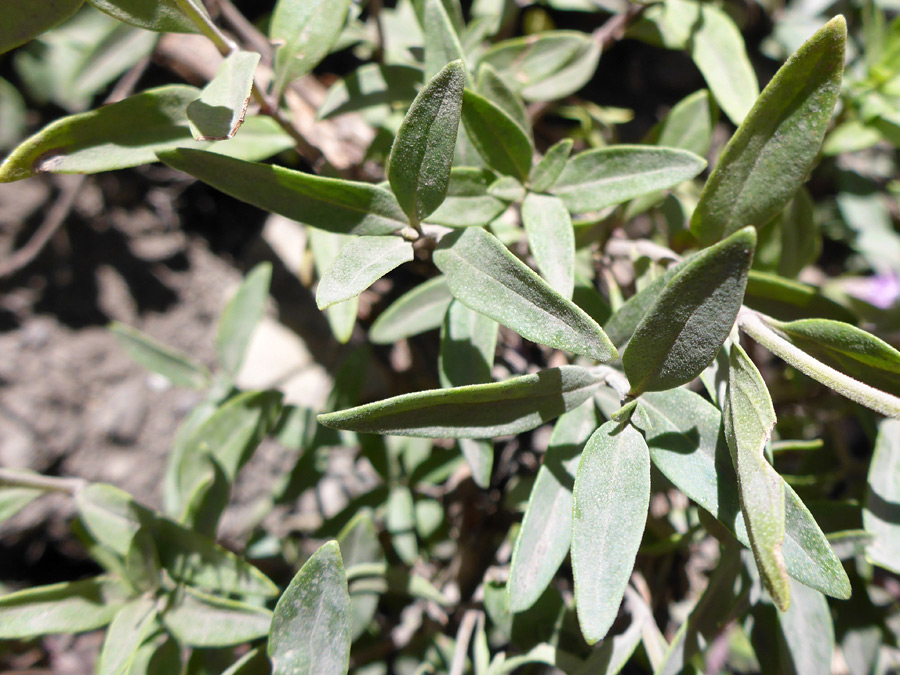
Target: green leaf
{"points": [[788, 299], [880, 514], [790, 241], [479, 456], [749, 419], [419, 169], [311, 628], [441, 41], [418, 310], [241, 316], [683, 433], [200, 620], [772, 151], [595, 179], [552, 240], [468, 342], [370, 85], [492, 87], [400, 521], [474, 411], [546, 532], [684, 330], [469, 202], [131, 625], [162, 16], [328, 204], [847, 348], [610, 501], [808, 617], [497, 136], [176, 367], [219, 111], [71, 607], [359, 264], [545, 173], [305, 30], [13, 111], [486, 277], [326, 248], [622, 324], [359, 545], [546, 66], [14, 499], [20, 21]]}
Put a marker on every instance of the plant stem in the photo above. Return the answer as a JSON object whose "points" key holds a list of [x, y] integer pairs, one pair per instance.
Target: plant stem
{"points": [[206, 26], [754, 325], [22, 479]]}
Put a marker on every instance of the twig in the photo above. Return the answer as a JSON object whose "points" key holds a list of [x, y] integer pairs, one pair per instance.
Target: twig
{"points": [[23, 479], [463, 637], [614, 28], [375, 7], [245, 30]]}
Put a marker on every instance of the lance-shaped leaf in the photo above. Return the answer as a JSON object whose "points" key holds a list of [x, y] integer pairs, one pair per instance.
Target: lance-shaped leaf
{"points": [[788, 299], [311, 627], [546, 531], [20, 20], [219, 111], [400, 522], [683, 331], [492, 87], [880, 516], [71, 607], [162, 16], [485, 276], [442, 44], [474, 411], [420, 309], [611, 498], [791, 241], [128, 629], [305, 30], [749, 419], [809, 616], [329, 204], [371, 85], [360, 545], [241, 316], [469, 201], [622, 324], [847, 348], [498, 138], [468, 341], [326, 247], [683, 432], [359, 264], [545, 173], [176, 367], [596, 179], [419, 169], [200, 620], [772, 151], [551, 239]]}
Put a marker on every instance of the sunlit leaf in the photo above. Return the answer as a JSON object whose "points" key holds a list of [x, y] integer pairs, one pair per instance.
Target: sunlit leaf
{"points": [[359, 264], [545, 173], [200, 620], [880, 514], [20, 21], [552, 240], [164, 16], [219, 111], [241, 316], [420, 309], [371, 85]]}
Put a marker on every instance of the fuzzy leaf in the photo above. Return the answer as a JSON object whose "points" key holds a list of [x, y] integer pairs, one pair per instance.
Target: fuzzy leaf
{"points": [[749, 419], [20, 20], [131, 625], [468, 341], [883, 495], [497, 136], [241, 316], [326, 247], [196, 619], [474, 411], [306, 30], [788, 299], [219, 111], [370, 85], [486, 277], [162, 16], [360, 545], [359, 264], [545, 173], [328, 204], [176, 367], [420, 309], [595, 179], [442, 44], [552, 240], [684, 330], [809, 616], [311, 627], [772, 151], [493, 87], [611, 498], [790, 241], [469, 201], [622, 324], [419, 169]]}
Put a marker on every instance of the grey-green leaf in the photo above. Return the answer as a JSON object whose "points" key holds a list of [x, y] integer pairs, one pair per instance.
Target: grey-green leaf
{"points": [[219, 111], [684, 330], [622, 324], [497, 136], [879, 515], [419, 169], [200, 620], [128, 629], [370, 85], [468, 341], [749, 418], [70, 607], [545, 173], [595, 179], [176, 367], [311, 628], [772, 151], [305, 30], [611, 498], [493, 87], [241, 316], [808, 632], [474, 411], [326, 247], [329, 204], [546, 531], [359, 264], [486, 277], [551, 238], [420, 309], [21, 20], [442, 44], [469, 202], [163, 16]]}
